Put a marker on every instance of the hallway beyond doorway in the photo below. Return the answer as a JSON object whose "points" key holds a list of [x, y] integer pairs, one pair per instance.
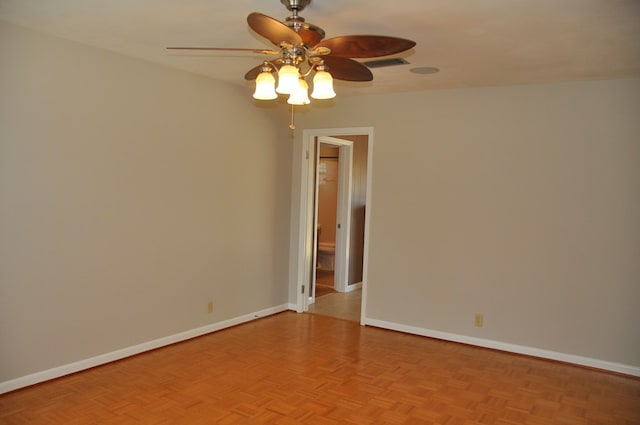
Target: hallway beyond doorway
{"points": [[341, 305]]}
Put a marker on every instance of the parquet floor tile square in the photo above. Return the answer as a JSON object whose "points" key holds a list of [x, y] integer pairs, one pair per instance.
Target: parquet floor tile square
{"points": [[291, 369]]}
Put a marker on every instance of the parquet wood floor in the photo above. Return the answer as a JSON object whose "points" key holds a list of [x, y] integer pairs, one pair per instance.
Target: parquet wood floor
{"points": [[310, 369]]}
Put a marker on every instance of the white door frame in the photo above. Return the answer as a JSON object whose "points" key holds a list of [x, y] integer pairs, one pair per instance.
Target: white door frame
{"points": [[306, 223]]}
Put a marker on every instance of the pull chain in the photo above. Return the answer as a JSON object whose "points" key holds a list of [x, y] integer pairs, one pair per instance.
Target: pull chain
{"points": [[292, 125]]}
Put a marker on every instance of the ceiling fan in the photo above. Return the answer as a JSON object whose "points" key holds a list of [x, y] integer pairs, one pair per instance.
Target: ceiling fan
{"points": [[302, 49]]}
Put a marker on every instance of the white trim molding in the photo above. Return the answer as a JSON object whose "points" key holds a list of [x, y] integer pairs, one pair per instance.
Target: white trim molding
{"points": [[101, 359], [512, 348], [353, 287]]}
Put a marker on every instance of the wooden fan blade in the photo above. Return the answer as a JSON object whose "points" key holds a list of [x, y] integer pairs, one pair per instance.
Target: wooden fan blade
{"points": [[309, 33], [228, 49], [252, 74], [310, 37], [366, 46], [272, 29], [346, 69]]}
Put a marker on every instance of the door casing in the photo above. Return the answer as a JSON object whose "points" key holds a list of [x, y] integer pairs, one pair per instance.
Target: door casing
{"points": [[306, 226]]}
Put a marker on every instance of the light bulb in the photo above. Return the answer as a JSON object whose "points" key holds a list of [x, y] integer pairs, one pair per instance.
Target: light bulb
{"points": [[323, 86], [287, 79], [300, 96], [265, 86]]}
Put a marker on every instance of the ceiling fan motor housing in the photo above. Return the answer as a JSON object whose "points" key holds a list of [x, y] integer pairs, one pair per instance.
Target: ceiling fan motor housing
{"points": [[296, 5]]}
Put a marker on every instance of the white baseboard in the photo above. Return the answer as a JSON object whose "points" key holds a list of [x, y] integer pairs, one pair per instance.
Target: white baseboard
{"points": [[78, 366], [353, 286], [512, 348]]}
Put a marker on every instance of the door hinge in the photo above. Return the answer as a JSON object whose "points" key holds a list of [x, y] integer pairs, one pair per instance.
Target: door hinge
{"points": [[307, 154], [302, 290]]}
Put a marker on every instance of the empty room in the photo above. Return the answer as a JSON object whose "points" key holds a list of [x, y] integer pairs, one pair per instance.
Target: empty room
{"points": [[164, 259]]}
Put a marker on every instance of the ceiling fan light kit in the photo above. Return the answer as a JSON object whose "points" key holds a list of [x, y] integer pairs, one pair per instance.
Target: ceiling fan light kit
{"points": [[293, 83], [303, 51]]}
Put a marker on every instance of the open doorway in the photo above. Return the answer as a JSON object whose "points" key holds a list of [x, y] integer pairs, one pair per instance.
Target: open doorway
{"points": [[358, 211], [327, 179], [332, 214]]}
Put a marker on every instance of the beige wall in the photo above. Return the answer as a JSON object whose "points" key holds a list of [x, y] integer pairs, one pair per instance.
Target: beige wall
{"points": [[130, 196], [521, 203], [128, 200]]}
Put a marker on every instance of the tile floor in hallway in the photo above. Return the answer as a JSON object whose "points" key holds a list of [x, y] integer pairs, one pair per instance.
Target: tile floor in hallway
{"points": [[335, 304]]}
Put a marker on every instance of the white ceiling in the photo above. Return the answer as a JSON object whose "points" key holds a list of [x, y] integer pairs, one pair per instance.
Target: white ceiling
{"points": [[473, 42]]}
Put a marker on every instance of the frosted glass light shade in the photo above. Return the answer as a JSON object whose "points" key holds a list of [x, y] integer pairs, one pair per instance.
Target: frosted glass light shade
{"points": [[300, 96], [287, 79], [265, 87], [323, 86]]}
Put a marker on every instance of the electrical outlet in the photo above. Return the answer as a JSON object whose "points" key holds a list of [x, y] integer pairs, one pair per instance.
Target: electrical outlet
{"points": [[210, 307], [479, 320]]}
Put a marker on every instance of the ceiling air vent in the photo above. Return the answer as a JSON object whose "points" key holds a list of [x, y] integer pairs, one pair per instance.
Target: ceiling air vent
{"points": [[385, 62]]}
